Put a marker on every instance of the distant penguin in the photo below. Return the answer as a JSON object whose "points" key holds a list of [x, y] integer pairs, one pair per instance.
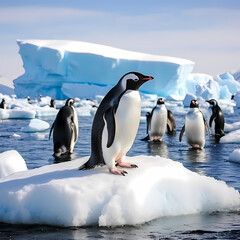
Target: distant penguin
{"points": [[65, 129], [171, 123], [52, 103], [158, 121], [218, 118], [3, 104], [116, 123], [194, 127]]}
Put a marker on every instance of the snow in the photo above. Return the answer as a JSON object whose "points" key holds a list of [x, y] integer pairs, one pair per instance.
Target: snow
{"points": [[11, 162], [62, 195], [36, 125]]}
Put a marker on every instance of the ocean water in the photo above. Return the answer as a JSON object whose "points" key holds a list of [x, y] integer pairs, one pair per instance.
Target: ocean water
{"points": [[37, 151]]}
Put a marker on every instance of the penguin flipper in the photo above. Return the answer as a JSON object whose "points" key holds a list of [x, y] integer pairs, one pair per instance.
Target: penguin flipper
{"points": [[170, 126], [111, 126], [74, 131], [211, 119], [51, 129], [181, 133], [206, 126]]}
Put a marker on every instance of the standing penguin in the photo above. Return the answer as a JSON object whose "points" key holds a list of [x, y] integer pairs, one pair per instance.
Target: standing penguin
{"points": [[65, 129], [116, 123], [195, 125], [218, 118], [52, 103], [3, 104], [158, 121]]}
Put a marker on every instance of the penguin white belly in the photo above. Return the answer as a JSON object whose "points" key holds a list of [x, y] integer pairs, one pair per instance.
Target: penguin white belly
{"points": [[158, 123], [75, 134], [195, 129], [127, 120]]}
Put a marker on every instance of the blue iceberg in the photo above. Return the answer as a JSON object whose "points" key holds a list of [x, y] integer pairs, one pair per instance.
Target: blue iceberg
{"points": [[63, 69]]}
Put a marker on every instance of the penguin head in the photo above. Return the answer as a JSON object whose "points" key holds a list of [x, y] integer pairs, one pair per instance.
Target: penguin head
{"points": [[212, 102], [194, 104], [70, 102], [160, 101], [133, 80]]}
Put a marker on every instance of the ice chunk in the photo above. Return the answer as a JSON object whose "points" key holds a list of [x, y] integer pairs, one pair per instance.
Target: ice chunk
{"points": [[235, 156], [232, 137], [36, 125], [11, 162], [17, 113], [62, 195]]}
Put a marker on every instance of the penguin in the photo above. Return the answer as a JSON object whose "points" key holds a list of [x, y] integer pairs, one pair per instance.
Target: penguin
{"points": [[171, 123], [194, 126], [65, 129], [115, 124], [52, 103], [158, 121], [3, 104], [218, 118]]}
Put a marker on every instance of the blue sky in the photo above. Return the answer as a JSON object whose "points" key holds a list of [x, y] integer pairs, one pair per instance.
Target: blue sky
{"points": [[204, 31]]}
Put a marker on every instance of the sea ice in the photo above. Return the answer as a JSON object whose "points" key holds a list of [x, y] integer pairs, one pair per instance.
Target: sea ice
{"points": [[235, 156], [232, 137], [36, 125], [11, 162], [62, 195]]}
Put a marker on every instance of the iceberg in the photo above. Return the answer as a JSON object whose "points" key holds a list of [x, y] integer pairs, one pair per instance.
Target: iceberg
{"points": [[64, 69], [60, 194]]}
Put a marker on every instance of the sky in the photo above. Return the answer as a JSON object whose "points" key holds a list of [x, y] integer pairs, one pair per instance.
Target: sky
{"points": [[204, 31]]}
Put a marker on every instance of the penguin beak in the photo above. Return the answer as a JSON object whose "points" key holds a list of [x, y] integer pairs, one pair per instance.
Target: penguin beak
{"points": [[147, 78]]}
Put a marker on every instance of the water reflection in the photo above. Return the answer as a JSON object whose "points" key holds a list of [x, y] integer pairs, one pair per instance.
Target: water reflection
{"points": [[196, 155], [158, 148]]}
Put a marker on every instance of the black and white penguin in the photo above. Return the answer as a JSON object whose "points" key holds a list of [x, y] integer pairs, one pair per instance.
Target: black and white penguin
{"points": [[65, 129], [218, 117], [3, 104], [158, 121], [194, 127], [116, 123], [171, 123], [52, 103]]}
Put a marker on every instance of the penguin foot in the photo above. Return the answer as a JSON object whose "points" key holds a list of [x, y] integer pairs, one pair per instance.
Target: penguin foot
{"points": [[126, 165], [117, 171]]}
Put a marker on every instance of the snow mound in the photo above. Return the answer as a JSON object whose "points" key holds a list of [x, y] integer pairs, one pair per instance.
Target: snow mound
{"points": [[62, 195]]}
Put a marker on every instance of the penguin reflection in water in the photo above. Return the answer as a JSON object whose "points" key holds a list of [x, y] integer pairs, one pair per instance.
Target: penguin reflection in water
{"points": [[158, 121], [116, 123], [217, 119], [194, 127], [65, 129]]}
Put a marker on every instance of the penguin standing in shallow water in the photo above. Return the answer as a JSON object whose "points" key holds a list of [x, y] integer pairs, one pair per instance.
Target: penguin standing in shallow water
{"points": [[158, 121], [194, 127], [116, 123], [65, 129], [218, 118], [3, 104]]}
